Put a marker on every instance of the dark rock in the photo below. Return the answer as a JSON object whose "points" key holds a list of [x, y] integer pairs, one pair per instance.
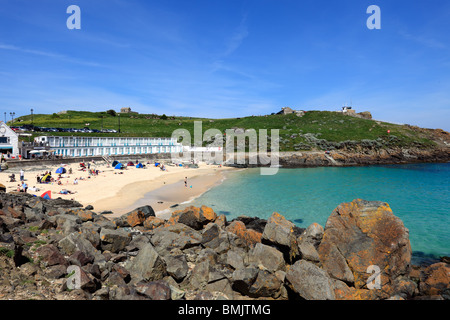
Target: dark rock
{"points": [[76, 242], [135, 217], [194, 217], [253, 223], [243, 279], [265, 285], [124, 273], [235, 259], [91, 232], [175, 236], [177, 266], [267, 257], [154, 290], [114, 240], [210, 232], [51, 256], [56, 271], [249, 237], [80, 259], [309, 241], [147, 265], [282, 233], [124, 292], [115, 279], [199, 277], [309, 281], [68, 223]]}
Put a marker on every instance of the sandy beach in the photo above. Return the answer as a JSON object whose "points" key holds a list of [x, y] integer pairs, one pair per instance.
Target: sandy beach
{"points": [[120, 191]]}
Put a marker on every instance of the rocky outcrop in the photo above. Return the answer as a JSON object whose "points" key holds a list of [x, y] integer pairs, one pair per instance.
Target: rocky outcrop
{"points": [[356, 155], [362, 235], [67, 252]]}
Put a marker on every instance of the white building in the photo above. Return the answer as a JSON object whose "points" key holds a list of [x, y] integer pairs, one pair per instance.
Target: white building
{"points": [[9, 140], [78, 146]]}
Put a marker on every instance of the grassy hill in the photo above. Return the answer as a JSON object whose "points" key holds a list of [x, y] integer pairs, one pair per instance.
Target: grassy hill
{"points": [[315, 130]]}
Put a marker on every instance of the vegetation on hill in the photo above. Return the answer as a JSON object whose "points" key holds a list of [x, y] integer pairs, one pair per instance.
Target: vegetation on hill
{"points": [[320, 130]]}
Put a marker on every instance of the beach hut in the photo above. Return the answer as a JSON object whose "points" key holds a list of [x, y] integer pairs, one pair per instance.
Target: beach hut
{"points": [[61, 170], [139, 165], [118, 166], [47, 195]]}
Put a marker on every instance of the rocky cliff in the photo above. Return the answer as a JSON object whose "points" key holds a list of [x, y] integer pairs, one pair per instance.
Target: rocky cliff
{"points": [[56, 249]]}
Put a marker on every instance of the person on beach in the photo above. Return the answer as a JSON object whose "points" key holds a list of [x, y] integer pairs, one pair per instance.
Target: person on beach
{"points": [[22, 175], [185, 182]]}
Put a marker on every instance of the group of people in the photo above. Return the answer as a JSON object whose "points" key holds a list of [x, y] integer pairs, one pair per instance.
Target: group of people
{"points": [[24, 187]]}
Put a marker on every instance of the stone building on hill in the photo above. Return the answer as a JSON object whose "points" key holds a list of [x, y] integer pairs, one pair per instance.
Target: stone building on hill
{"points": [[126, 110]]}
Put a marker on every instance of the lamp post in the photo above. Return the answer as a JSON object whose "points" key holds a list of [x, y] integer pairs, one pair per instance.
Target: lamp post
{"points": [[12, 114], [31, 116], [119, 120]]}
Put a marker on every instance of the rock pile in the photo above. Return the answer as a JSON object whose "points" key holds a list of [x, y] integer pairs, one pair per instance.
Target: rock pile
{"points": [[56, 249]]}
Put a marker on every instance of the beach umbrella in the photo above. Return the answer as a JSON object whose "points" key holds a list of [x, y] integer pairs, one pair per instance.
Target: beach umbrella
{"points": [[47, 195], [61, 170]]}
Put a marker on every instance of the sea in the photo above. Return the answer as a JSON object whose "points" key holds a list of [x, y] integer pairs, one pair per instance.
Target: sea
{"points": [[419, 194]]}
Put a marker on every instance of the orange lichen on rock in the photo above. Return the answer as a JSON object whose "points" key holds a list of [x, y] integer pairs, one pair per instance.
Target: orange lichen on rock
{"points": [[249, 236]]}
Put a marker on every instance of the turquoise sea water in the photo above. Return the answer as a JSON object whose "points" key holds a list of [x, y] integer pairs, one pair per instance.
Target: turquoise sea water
{"points": [[419, 194]]}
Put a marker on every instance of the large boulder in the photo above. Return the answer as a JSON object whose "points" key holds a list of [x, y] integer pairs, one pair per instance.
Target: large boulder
{"points": [[362, 236], [266, 257], [309, 241], [281, 233], [309, 281], [135, 217], [249, 237], [114, 240], [193, 217], [49, 256], [174, 236], [147, 265]]}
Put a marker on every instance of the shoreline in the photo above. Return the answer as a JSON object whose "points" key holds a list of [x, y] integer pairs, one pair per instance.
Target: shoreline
{"points": [[118, 190], [167, 196]]}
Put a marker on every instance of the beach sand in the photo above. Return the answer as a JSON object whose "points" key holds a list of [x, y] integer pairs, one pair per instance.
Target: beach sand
{"points": [[121, 191]]}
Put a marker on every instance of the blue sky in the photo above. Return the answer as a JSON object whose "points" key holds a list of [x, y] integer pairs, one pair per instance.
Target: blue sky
{"points": [[228, 58]]}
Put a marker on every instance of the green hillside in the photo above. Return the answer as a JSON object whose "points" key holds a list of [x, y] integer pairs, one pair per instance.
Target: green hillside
{"points": [[321, 130]]}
